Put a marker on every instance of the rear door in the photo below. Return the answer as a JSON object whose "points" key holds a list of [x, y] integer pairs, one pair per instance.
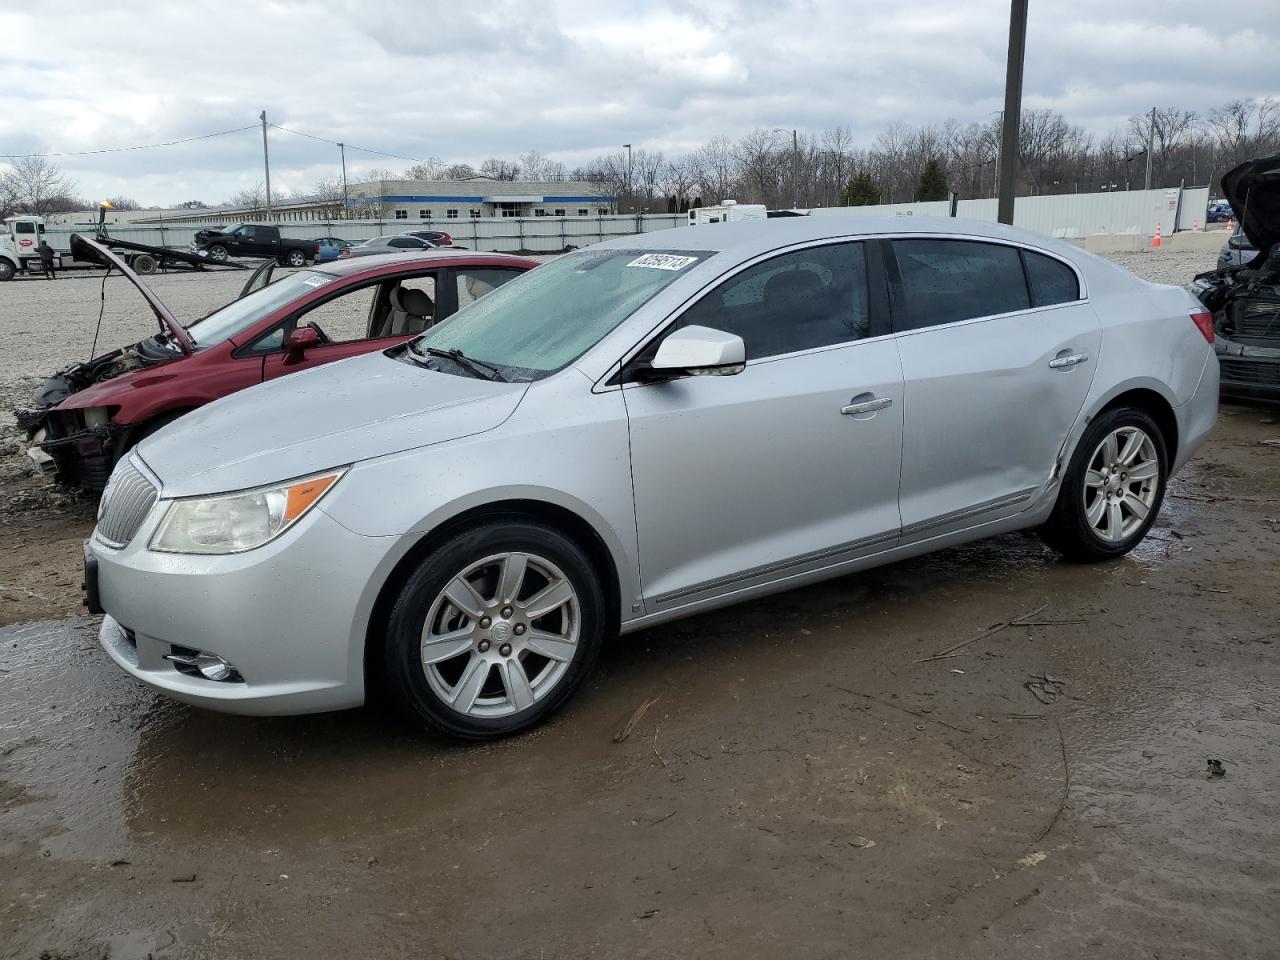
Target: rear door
{"points": [[999, 347]]}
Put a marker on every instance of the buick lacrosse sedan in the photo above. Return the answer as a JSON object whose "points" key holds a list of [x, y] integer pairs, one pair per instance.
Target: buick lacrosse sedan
{"points": [[635, 432]]}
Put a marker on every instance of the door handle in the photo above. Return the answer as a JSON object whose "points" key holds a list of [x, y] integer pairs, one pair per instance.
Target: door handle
{"points": [[867, 406], [1062, 363]]}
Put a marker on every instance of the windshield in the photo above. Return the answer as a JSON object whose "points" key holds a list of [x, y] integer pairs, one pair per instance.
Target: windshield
{"points": [[248, 310], [547, 318]]}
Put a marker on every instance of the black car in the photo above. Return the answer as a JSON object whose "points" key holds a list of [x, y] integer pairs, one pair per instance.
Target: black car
{"points": [[1245, 298], [254, 240]]}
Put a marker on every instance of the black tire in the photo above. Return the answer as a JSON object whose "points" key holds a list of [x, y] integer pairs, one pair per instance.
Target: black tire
{"points": [[7, 270], [218, 253], [296, 258], [405, 678], [144, 263], [1068, 529]]}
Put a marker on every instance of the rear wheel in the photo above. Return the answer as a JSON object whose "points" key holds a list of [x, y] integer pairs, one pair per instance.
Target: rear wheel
{"points": [[296, 258], [144, 263], [1112, 490], [494, 630]]}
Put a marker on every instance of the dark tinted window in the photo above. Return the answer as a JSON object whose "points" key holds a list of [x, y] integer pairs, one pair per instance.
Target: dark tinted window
{"points": [[1052, 281], [945, 281], [409, 242], [798, 301]]}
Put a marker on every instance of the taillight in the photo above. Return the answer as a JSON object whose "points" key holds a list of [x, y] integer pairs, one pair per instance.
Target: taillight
{"points": [[1203, 320], [446, 240]]}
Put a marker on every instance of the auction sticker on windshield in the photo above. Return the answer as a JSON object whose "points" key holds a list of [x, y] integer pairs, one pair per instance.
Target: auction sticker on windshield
{"points": [[316, 280], [662, 261]]}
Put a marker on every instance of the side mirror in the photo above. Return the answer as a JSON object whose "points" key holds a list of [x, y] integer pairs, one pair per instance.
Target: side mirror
{"points": [[696, 351], [298, 341]]}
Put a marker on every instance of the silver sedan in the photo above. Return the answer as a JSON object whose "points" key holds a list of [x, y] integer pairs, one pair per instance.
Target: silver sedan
{"points": [[636, 432]]}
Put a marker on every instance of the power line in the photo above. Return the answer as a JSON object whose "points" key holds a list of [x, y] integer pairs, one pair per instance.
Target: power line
{"points": [[351, 146], [142, 146]]}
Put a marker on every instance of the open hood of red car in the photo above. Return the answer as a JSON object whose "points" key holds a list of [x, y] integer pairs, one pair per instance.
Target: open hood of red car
{"points": [[82, 248], [1253, 189]]}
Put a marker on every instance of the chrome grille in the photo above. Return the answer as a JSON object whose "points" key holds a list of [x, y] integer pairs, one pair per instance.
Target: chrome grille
{"points": [[126, 502]]}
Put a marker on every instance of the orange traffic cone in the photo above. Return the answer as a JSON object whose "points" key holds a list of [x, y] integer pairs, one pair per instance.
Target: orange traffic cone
{"points": [[1155, 240]]}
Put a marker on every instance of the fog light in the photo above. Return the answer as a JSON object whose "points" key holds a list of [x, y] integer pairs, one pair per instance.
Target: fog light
{"points": [[213, 667], [208, 665]]}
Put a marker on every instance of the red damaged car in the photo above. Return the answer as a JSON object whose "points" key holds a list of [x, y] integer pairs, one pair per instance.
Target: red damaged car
{"points": [[87, 416]]}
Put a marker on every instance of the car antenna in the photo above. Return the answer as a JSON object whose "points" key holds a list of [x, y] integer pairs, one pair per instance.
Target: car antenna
{"points": [[101, 309]]}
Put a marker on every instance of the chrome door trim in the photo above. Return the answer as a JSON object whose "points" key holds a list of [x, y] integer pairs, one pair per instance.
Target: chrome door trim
{"points": [[956, 515], [781, 567]]}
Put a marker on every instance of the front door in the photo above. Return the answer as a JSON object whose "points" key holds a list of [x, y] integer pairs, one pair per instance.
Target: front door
{"points": [[998, 351], [788, 467]]}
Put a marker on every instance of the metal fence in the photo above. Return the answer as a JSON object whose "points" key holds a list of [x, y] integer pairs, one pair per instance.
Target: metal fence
{"points": [[505, 234], [1066, 216]]}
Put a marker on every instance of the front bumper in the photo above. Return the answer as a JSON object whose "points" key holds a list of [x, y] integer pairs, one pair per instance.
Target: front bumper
{"points": [[290, 616], [1248, 372]]}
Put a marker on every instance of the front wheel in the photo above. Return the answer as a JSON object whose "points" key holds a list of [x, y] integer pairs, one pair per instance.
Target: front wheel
{"points": [[1112, 490], [6, 270], [297, 258], [494, 631], [218, 253]]}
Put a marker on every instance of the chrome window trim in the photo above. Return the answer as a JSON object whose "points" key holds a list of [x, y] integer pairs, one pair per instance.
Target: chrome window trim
{"points": [[602, 384]]}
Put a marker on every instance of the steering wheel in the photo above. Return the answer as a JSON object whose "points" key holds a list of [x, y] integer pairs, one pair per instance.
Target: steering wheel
{"points": [[324, 337]]}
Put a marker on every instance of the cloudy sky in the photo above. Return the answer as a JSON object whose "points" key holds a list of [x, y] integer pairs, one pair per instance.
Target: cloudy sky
{"points": [[571, 78]]}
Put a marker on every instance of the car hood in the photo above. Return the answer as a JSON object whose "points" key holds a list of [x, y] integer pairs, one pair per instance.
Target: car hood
{"points": [[1253, 190], [82, 248], [339, 413]]}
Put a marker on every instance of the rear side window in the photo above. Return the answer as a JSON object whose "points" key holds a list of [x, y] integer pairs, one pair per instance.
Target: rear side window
{"points": [[1051, 281], [946, 281]]}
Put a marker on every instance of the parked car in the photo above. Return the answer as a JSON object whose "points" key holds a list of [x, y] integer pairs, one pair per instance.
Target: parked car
{"points": [[1219, 212], [330, 248], [391, 244], [86, 417], [645, 429], [1238, 250], [254, 240], [437, 238], [1244, 292]]}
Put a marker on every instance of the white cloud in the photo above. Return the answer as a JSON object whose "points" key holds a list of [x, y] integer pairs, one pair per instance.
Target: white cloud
{"points": [[570, 78]]}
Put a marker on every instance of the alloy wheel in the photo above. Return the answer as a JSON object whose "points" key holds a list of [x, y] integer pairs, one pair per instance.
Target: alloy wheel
{"points": [[501, 635], [1121, 481]]}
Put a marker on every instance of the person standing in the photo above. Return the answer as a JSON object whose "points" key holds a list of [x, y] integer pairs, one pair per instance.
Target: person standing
{"points": [[46, 259]]}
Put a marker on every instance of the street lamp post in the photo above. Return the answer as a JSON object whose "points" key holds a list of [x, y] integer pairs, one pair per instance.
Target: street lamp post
{"points": [[629, 199]]}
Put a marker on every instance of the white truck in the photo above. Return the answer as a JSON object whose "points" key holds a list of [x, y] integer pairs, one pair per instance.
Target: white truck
{"points": [[728, 211], [20, 246]]}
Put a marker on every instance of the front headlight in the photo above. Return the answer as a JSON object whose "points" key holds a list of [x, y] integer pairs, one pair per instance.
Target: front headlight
{"points": [[236, 522]]}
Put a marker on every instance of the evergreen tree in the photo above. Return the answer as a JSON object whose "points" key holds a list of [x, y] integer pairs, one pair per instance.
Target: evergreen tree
{"points": [[861, 191], [933, 182]]}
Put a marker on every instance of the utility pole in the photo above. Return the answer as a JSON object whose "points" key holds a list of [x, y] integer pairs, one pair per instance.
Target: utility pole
{"points": [[343, 151], [266, 163], [629, 200], [1012, 109], [1151, 142], [795, 169]]}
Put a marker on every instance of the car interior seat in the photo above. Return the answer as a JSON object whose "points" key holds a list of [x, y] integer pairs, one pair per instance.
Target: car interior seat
{"points": [[411, 311]]}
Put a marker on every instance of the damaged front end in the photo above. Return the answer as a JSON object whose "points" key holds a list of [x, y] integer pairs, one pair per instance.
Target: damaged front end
{"points": [[1245, 299]]}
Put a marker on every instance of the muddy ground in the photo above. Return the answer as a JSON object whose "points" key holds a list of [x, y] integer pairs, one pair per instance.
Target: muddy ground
{"points": [[802, 786]]}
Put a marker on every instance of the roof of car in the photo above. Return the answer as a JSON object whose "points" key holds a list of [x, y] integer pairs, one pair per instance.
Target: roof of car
{"points": [[420, 258], [751, 237]]}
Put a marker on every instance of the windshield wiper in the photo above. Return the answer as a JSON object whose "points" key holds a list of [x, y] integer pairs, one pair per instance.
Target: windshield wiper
{"points": [[486, 371]]}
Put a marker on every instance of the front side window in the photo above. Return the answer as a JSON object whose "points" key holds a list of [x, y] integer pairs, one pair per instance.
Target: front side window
{"points": [[547, 318], [946, 281], [405, 243], [24, 226], [1051, 281], [798, 301]]}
